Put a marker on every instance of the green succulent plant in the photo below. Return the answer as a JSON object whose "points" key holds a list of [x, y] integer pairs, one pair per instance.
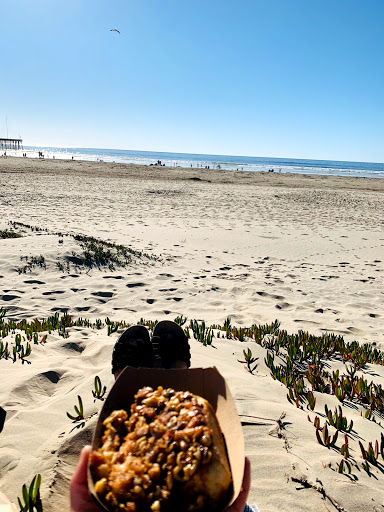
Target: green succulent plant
{"points": [[371, 454], [344, 449], [31, 496], [337, 419], [325, 439], [78, 410], [180, 320], [249, 360], [201, 332], [100, 390], [344, 467], [311, 400]]}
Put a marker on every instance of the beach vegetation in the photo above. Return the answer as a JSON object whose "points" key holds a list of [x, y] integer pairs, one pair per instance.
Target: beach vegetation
{"points": [[78, 410], [30, 500], [344, 467], [21, 225], [201, 332], [31, 263], [344, 449], [25, 352], [366, 467], [99, 390], [368, 415], [227, 323], [4, 351], [111, 326], [371, 453], [181, 320], [9, 234], [93, 252], [337, 420], [382, 445], [311, 400], [151, 324], [324, 438], [249, 361]]}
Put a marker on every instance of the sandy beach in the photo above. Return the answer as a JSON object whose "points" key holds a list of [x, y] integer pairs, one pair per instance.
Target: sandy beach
{"points": [[206, 244]]}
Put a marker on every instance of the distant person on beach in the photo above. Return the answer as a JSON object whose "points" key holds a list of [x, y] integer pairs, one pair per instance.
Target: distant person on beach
{"points": [[168, 348]]}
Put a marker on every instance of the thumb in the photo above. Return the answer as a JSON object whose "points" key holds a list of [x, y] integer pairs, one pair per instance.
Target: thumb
{"points": [[79, 477]]}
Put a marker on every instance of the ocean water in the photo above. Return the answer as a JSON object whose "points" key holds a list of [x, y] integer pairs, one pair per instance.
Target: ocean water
{"points": [[240, 163]]}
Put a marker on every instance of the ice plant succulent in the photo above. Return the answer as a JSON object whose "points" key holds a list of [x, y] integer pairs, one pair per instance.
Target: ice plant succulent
{"points": [[344, 449], [78, 410], [99, 391], [325, 438], [249, 360], [337, 419], [31, 496], [344, 467], [371, 454], [201, 332]]}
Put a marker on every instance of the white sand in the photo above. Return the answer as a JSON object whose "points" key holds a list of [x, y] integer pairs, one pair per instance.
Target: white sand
{"points": [[307, 250]]}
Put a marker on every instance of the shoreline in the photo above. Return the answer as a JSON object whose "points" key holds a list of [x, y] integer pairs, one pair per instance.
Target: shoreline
{"points": [[219, 162], [123, 170]]}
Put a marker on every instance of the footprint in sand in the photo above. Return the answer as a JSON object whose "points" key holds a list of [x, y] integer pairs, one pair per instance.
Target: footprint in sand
{"points": [[283, 306], [102, 294], [309, 322], [354, 330], [71, 346], [9, 298], [42, 384], [80, 309]]}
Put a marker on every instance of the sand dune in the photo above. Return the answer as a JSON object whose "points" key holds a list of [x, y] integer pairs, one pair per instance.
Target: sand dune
{"points": [[306, 250]]}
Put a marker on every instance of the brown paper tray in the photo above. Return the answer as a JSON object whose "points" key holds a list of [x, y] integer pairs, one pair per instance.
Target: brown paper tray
{"points": [[205, 382]]}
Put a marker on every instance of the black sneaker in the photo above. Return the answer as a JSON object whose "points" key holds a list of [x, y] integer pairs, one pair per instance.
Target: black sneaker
{"points": [[170, 344], [134, 349]]}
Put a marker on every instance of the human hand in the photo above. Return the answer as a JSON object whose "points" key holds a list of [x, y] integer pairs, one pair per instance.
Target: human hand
{"points": [[80, 498], [239, 504]]}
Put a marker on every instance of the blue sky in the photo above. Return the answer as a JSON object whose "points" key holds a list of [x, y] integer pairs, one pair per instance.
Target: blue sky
{"points": [[278, 78]]}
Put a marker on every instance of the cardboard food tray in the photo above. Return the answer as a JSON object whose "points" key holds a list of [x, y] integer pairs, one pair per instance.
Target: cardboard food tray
{"points": [[205, 382]]}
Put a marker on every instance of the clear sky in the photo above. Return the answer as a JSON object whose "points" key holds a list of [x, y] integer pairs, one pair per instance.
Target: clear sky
{"points": [[278, 78]]}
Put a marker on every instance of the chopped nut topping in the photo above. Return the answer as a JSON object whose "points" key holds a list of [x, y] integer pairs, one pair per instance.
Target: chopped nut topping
{"points": [[146, 458]]}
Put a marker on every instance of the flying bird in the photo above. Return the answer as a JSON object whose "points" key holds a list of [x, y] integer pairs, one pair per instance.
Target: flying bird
{"points": [[115, 30]]}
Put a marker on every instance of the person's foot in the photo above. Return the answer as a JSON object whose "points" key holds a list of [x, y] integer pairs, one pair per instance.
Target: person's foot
{"points": [[133, 348], [170, 346]]}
